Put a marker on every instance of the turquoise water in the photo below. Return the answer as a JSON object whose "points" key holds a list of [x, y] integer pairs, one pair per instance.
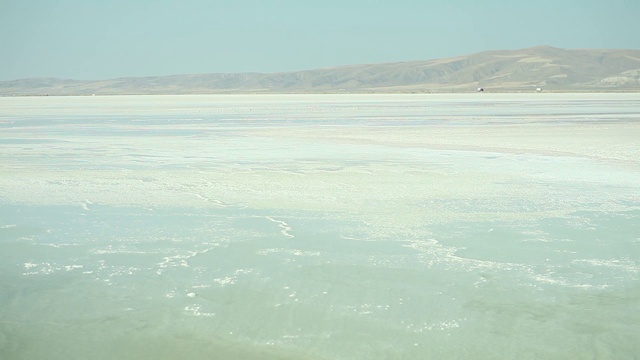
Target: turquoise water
{"points": [[320, 227]]}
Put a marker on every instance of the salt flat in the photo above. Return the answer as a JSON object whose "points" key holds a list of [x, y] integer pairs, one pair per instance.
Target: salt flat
{"points": [[320, 226]]}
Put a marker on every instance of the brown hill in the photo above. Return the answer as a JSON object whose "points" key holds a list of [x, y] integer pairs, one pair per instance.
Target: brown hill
{"points": [[546, 67]]}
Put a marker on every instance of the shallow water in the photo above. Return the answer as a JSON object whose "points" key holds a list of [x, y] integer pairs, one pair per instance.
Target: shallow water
{"points": [[476, 226]]}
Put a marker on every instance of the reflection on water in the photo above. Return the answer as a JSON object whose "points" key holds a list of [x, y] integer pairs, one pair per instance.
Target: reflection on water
{"points": [[320, 227]]}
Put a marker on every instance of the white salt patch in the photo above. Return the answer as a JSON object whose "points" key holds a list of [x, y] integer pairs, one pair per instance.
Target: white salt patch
{"points": [[195, 310], [620, 264], [39, 269], [225, 281], [73, 267], [201, 286], [285, 228], [294, 252]]}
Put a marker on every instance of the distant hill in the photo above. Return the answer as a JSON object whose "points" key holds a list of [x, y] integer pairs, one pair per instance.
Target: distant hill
{"points": [[549, 68]]}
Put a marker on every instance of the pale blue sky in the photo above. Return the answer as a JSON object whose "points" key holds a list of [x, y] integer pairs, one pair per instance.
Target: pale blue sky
{"points": [[91, 39]]}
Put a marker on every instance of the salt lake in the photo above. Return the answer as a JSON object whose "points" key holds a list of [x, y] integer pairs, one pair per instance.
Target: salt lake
{"points": [[454, 226]]}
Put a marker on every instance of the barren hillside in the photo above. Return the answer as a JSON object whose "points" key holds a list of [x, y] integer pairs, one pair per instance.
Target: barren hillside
{"points": [[551, 69]]}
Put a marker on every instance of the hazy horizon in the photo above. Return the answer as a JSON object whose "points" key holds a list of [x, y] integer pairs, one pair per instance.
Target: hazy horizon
{"points": [[79, 40]]}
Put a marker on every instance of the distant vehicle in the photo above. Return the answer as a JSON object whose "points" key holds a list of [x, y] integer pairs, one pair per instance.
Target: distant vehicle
{"points": [[538, 89], [480, 89]]}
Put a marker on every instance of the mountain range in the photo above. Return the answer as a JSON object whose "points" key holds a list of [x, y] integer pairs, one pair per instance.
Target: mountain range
{"points": [[541, 67]]}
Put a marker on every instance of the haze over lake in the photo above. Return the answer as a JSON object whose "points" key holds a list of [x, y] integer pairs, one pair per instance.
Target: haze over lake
{"points": [[460, 226]]}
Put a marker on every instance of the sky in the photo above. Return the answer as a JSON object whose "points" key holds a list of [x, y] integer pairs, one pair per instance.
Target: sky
{"points": [[103, 39]]}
